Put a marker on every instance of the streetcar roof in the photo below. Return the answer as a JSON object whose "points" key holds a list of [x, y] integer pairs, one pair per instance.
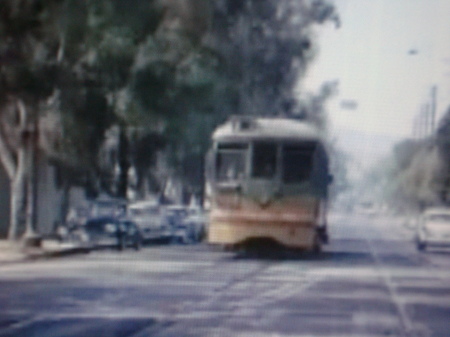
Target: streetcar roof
{"points": [[262, 128]]}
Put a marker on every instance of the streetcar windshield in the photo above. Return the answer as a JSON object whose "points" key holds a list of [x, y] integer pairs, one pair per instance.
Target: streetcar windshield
{"points": [[264, 161], [297, 163], [230, 162]]}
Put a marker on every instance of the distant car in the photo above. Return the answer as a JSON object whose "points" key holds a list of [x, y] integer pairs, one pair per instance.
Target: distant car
{"points": [[174, 215], [112, 232], [195, 225], [150, 219], [433, 228]]}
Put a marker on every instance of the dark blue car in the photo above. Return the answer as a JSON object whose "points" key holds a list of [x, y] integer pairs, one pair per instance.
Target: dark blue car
{"points": [[112, 232]]}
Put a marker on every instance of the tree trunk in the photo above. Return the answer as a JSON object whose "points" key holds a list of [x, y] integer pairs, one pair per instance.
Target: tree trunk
{"points": [[20, 168], [17, 196], [31, 200], [124, 164], [65, 202]]}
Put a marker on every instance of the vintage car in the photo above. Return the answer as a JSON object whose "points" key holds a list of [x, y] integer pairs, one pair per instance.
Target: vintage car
{"points": [[433, 228], [114, 233], [192, 227], [151, 220]]}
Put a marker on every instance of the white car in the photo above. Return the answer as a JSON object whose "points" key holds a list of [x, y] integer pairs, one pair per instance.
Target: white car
{"points": [[197, 221], [191, 227], [433, 228], [150, 219]]}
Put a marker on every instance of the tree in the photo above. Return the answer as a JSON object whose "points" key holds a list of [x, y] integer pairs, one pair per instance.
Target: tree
{"points": [[28, 56], [267, 46], [176, 85], [443, 143], [74, 56], [411, 175]]}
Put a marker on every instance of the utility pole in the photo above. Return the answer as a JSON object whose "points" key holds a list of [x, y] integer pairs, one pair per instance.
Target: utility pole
{"points": [[416, 126], [433, 100], [424, 123], [428, 119]]}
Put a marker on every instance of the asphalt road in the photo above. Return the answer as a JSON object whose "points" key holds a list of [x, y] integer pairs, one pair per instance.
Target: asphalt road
{"points": [[370, 281]]}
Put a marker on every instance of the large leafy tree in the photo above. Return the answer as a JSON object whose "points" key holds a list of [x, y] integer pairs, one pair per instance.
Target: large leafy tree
{"points": [[267, 46], [75, 61]]}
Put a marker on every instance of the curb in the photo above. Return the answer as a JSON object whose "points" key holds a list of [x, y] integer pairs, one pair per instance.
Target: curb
{"points": [[33, 254], [56, 253]]}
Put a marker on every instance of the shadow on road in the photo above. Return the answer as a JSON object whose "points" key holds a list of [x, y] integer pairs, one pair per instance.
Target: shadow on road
{"points": [[437, 251], [274, 252]]}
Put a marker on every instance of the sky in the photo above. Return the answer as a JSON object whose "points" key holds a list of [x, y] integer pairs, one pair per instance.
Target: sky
{"points": [[386, 55]]}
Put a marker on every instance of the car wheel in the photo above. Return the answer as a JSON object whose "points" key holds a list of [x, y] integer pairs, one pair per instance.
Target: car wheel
{"points": [[181, 240], [195, 237], [202, 235], [121, 244], [138, 243], [421, 246], [191, 236]]}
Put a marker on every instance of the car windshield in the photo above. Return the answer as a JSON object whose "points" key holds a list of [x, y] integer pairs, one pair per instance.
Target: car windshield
{"points": [[177, 212], [140, 212]]}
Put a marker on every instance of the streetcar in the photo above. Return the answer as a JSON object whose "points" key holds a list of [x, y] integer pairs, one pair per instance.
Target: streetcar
{"points": [[267, 179]]}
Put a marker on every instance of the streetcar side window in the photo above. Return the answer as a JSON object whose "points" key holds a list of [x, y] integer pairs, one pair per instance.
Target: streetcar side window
{"points": [[297, 163], [230, 162], [264, 160]]}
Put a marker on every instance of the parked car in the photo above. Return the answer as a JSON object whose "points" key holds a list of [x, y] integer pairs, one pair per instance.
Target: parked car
{"points": [[112, 232], [175, 215], [193, 227], [433, 228], [151, 220], [132, 236]]}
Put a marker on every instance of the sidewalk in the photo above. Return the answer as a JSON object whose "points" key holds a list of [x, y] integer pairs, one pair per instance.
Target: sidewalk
{"points": [[11, 252]]}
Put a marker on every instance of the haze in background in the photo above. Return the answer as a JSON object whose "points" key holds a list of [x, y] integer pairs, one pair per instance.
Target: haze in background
{"points": [[386, 55]]}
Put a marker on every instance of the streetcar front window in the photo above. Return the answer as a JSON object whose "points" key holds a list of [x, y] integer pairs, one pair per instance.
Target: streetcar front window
{"points": [[264, 161], [297, 163], [230, 162]]}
